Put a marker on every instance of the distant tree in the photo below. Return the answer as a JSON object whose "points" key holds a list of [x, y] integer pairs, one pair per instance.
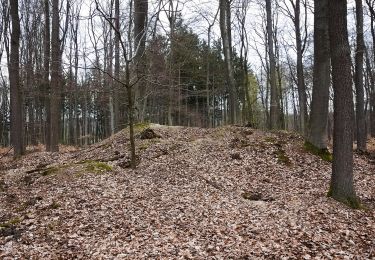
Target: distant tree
{"points": [[16, 97], [321, 82], [294, 13], [371, 8], [341, 187], [117, 86], [358, 80]]}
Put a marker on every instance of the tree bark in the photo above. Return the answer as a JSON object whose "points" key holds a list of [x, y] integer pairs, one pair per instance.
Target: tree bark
{"points": [[320, 94], [140, 28], [16, 97], [116, 85], [358, 79], [55, 78], [370, 5], [225, 29], [302, 97], [341, 187], [274, 106]]}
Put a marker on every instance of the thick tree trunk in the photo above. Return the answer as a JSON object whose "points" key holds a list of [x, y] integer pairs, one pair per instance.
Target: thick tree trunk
{"points": [[225, 29], [341, 187], [140, 27], [46, 81], [275, 105], [16, 99], [55, 78], [360, 102], [321, 81]]}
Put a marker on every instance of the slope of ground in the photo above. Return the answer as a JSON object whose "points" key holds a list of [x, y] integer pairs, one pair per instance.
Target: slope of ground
{"points": [[227, 193]]}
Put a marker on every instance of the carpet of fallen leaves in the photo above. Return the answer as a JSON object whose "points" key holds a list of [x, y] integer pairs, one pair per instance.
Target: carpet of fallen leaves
{"points": [[225, 193]]}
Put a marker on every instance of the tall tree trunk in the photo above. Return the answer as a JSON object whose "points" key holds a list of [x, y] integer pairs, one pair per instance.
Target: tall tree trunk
{"points": [[275, 105], [341, 187], [225, 29], [16, 98], [360, 100], [321, 81], [55, 78], [140, 28], [370, 5], [302, 97], [116, 85], [46, 82]]}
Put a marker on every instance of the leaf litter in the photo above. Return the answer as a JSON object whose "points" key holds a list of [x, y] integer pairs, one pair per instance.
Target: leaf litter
{"points": [[197, 193]]}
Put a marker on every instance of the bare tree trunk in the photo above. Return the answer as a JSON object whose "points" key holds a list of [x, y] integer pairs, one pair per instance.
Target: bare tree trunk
{"points": [[116, 97], [274, 106], [16, 98], [371, 94], [358, 79], [370, 5], [341, 187], [225, 29], [302, 97], [321, 81], [55, 78], [140, 28], [47, 87], [75, 96]]}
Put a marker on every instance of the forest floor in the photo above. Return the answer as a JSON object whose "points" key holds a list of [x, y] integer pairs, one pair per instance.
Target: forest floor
{"points": [[225, 193]]}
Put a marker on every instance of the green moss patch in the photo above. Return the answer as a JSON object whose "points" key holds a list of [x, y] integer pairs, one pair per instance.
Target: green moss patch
{"points": [[352, 202], [282, 157], [49, 171], [54, 205], [324, 154], [10, 223], [96, 166]]}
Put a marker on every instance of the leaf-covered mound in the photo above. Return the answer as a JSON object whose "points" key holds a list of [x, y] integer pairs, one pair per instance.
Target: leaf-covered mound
{"points": [[226, 193]]}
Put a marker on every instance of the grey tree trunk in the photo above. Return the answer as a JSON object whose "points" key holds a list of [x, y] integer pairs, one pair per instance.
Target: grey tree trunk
{"points": [[275, 105], [370, 5], [116, 85], [225, 29], [55, 78], [47, 87], [16, 98], [320, 94], [140, 27], [358, 79], [302, 97], [341, 187]]}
